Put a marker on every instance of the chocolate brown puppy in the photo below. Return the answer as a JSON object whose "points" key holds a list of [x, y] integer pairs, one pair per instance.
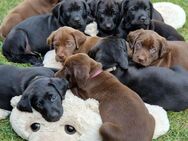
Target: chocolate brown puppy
{"points": [[25, 9], [124, 116], [67, 41], [150, 49]]}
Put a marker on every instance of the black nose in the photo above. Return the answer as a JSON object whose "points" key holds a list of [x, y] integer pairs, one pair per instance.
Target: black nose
{"points": [[77, 19], [54, 116], [108, 25], [143, 18]]}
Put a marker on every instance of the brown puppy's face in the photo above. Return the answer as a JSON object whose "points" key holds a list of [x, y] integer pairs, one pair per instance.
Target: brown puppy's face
{"points": [[65, 41], [78, 68], [146, 46]]}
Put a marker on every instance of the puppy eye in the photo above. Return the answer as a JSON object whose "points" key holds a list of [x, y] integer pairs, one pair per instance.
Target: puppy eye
{"points": [[39, 105], [69, 44], [153, 50], [53, 98], [70, 129], [35, 127]]}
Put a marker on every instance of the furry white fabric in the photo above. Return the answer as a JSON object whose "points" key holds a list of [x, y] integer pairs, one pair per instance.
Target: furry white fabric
{"points": [[4, 114], [82, 115], [50, 61], [173, 14], [91, 29]]}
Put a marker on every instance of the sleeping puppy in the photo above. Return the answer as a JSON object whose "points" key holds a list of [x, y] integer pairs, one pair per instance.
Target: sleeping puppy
{"points": [[67, 41], [155, 85], [150, 49], [107, 15], [38, 87], [25, 9], [26, 43], [137, 14], [122, 111]]}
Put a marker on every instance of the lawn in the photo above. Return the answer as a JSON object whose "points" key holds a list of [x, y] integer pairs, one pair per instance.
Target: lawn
{"points": [[178, 121]]}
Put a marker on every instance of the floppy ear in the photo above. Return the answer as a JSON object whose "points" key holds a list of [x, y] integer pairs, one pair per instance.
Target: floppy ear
{"points": [[87, 7], [163, 47], [96, 7], [123, 58], [151, 10], [79, 38], [50, 40], [61, 85], [123, 7], [57, 12], [133, 36], [25, 103]]}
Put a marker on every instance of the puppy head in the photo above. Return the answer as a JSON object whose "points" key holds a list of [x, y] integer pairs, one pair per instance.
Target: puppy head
{"points": [[65, 41], [107, 14], [111, 52], [45, 95], [146, 46], [137, 13], [73, 13], [78, 69]]}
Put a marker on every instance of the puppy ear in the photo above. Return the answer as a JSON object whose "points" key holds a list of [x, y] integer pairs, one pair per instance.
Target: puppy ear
{"points": [[57, 12], [96, 7], [163, 47], [25, 103], [50, 40], [61, 85], [123, 7], [133, 36], [87, 8], [79, 38], [123, 57], [151, 10]]}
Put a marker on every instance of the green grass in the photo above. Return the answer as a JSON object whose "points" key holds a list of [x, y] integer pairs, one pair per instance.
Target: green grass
{"points": [[178, 121]]}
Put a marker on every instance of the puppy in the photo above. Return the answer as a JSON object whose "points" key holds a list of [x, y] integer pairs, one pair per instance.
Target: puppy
{"points": [[25, 9], [137, 14], [122, 111], [67, 41], [26, 43], [107, 15], [155, 85], [30, 82], [150, 49]]}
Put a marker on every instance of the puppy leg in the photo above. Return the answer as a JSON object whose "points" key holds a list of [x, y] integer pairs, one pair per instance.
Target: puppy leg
{"points": [[110, 132]]}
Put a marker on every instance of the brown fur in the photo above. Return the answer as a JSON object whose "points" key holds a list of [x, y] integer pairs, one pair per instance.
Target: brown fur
{"points": [[25, 9], [124, 115], [68, 41], [150, 49]]}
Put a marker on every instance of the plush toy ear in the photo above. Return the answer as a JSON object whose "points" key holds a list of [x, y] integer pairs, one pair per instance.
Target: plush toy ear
{"points": [[79, 38], [14, 101], [60, 85], [163, 47], [151, 10], [25, 103]]}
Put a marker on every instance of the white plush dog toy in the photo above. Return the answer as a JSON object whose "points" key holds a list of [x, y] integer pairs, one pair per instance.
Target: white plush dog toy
{"points": [[80, 122], [172, 14]]}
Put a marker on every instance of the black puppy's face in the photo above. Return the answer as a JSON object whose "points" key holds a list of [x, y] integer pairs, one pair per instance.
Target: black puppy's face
{"points": [[73, 13], [137, 13], [107, 14], [45, 95], [111, 52]]}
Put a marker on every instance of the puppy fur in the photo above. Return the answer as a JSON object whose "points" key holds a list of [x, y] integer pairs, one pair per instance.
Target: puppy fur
{"points": [[67, 41], [155, 85], [123, 112], [150, 49], [24, 10]]}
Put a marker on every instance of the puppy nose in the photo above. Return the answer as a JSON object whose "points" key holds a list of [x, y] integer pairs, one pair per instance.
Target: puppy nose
{"points": [[54, 116], [108, 25], [142, 18], [77, 19], [141, 59]]}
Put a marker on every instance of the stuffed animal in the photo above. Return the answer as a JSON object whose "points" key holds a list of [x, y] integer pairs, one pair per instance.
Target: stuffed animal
{"points": [[80, 121], [172, 14]]}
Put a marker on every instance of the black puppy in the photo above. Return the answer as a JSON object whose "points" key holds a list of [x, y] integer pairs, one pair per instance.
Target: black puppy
{"points": [[155, 85], [107, 15], [26, 42], [138, 14], [39, 89]]}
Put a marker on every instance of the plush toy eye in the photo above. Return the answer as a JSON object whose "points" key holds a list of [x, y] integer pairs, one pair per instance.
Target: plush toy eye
{"points": [[35, 127], [70, 129]]}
